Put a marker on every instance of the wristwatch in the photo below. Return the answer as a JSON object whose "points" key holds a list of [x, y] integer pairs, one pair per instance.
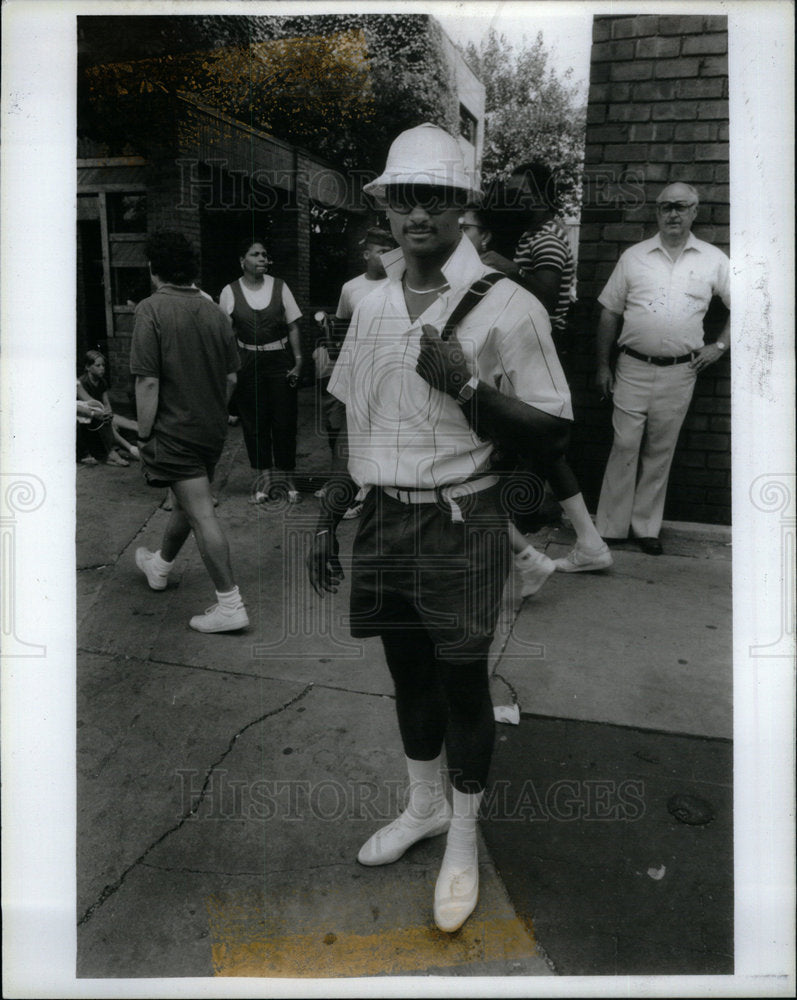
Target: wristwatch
{"points": [[721, 344], [467, 390]]}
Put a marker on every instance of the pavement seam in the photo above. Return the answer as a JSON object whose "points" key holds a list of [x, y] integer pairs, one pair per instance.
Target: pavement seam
{"points": [[680, 734], [260, 873], [233, 673], [111, 889], [173, 663]]}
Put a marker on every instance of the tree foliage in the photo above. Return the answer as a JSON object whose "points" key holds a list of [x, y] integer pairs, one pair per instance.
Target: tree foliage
{"points": [[340, 85], [532, 113]]}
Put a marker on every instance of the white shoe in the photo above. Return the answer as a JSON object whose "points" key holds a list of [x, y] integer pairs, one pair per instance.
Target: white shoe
{"points": [[155, 577], [220, 619], [534, 568], [354, 511], [580, 560], [388, 844], [456, 892]]}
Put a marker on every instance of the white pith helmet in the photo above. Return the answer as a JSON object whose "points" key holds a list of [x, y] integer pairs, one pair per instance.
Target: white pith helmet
{"points": [[426, 154]]}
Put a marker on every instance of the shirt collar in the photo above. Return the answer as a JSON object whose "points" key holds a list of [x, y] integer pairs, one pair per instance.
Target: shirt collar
{"points": [[168, 289], [692, 243], [463, 266]]}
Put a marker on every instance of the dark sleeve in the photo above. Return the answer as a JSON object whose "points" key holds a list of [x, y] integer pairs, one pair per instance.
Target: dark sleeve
{"points": [[145, 348], [231, 353], [516, 427]]}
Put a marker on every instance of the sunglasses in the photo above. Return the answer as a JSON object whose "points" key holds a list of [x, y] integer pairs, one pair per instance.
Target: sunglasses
{"points": [[404, 198], [674, 206]]}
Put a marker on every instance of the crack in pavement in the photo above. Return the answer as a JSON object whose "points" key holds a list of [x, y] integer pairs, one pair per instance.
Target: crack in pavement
{"points": [[109, 890], [512, 691]]}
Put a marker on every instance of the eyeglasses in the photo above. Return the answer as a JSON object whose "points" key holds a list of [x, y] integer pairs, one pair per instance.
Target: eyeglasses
{"points": [[403, 198], [469, 225], [674, 206]]}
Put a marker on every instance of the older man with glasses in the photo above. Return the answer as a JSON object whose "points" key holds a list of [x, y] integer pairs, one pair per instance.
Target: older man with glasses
{"points": [[661, 289], [424, 407]]}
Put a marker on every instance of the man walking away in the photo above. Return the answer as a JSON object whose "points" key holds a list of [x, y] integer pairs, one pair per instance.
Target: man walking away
{"points": [[184, 358]]}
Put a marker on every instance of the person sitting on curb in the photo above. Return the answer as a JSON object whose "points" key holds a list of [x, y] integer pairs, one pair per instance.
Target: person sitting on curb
{"points": [[104, 423], [185, 359]]}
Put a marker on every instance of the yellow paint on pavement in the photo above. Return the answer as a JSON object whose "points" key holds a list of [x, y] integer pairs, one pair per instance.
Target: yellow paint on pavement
{"points": [[243, 944]]}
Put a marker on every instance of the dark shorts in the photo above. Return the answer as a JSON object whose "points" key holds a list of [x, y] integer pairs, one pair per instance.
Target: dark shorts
{"points": [[411, 562], [166, 460]]}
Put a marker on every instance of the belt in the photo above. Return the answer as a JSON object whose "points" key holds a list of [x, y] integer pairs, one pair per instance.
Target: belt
{"points": [[274, 345], [680, 360], [450, 494]]}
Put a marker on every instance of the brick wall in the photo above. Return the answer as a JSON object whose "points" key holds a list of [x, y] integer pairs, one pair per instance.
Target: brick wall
{"points": [[657, 113]]}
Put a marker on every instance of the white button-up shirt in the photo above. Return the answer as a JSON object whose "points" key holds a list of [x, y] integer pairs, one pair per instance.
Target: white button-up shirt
{"points": [[402, 432], [662, 301]]}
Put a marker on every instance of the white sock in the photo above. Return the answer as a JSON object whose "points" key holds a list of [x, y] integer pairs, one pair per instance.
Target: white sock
{"points": [[230, 599], [529, 554], [586, 532], [160, 563], [461, 842], [427, 793]]}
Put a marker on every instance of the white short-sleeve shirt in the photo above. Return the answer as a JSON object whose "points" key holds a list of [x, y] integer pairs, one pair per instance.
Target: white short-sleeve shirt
{"points": [[354, 291], [662, 301], [402, 432]]}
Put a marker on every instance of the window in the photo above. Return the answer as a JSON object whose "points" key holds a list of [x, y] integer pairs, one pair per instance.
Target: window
{"points": [[468, 126], [127, 213], [127, 235]]}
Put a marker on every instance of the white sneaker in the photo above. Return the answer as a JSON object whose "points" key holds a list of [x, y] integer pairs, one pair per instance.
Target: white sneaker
{"points": [[580, 560], [535, 568], [456, 892], [220, 619], [388, 844], [353, 511], [145, 560]]}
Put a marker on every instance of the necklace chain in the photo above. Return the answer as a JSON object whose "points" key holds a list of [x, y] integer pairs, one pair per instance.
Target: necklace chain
{"points": [[424, 291]]}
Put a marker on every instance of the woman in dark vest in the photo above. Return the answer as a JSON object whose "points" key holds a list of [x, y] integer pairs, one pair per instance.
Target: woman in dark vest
{"points": [[264, 316]]}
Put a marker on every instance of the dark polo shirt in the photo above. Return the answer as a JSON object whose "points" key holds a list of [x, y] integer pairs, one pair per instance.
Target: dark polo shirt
{"points": [[182, 338]]}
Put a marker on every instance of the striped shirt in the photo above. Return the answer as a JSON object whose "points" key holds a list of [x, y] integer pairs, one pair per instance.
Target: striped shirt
{"points": [[549, 247], [402, 432]]}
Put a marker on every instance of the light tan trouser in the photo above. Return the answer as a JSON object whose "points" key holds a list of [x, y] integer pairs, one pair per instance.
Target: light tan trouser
{"points": [[650, 403]]}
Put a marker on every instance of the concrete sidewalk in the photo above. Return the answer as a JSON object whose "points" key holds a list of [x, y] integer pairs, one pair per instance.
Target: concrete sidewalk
{"points": [[226, 782]]}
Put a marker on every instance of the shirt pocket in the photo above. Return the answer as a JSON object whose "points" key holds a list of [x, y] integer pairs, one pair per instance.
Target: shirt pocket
{"points": [[698, 289]]}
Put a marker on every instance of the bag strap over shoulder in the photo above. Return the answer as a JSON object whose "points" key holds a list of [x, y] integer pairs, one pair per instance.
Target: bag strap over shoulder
{"points": [[469, 300]]}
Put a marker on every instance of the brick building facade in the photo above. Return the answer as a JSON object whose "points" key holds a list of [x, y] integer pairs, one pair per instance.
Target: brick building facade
{"points": [[657, 113]]}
